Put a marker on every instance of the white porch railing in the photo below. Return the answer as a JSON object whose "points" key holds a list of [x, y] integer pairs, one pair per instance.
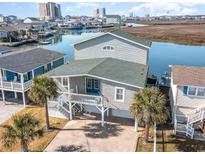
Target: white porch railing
{"points": [[184, 123], [15, 85], [80, 99]]}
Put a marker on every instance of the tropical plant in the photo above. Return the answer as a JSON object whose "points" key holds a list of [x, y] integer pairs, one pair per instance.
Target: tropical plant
{"points": [[42, 89], [22, 33], [24, 129], [148, 107], [14, 35]]}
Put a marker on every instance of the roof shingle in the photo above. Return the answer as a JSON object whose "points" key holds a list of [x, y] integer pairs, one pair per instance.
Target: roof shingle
{"points": [[109, 68], [188, 75], [25, 61]]}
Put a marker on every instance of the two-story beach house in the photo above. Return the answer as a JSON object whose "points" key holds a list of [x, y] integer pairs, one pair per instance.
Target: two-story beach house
{"points": [[17, 69], [188, 100], [107, 71]]}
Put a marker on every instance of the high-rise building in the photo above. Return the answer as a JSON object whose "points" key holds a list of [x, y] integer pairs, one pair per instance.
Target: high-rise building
{"points": [[49, 11], [99, 12]]}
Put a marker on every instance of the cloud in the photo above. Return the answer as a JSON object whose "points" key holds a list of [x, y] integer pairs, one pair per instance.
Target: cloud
{"points": [[113, 3], [157, 9], [79, 6]]}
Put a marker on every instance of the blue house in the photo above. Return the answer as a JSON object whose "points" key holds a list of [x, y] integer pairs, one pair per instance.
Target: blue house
{"points": [[19, 68]]}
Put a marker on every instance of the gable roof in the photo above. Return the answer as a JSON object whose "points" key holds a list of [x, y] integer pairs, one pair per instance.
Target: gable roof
{"points": [[7, 28], [188, 75], [112, 16], [132, 74], [123, 35], [132, 37], [32, 18], [25, 61]]}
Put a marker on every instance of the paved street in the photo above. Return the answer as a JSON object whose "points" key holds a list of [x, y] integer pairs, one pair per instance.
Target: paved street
{"points": [[6, 111]]}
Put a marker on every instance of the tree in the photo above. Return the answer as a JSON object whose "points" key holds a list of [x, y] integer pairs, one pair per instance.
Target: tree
{"points": [[14, 35], [22, 33], [42, 89], [24, 129], [148, 107]]}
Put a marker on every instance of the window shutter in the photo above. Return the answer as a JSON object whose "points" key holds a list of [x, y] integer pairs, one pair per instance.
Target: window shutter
{"points": [[185, 90]]}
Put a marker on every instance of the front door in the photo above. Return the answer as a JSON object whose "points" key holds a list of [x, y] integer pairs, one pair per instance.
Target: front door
{"points": [[92, 86]]}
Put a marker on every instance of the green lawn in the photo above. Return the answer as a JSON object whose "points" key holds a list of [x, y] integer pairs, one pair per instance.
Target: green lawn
{"points": [[168, 142]]}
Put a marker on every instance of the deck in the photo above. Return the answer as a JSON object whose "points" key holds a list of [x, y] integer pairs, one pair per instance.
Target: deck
{"points": [[15, 85]]}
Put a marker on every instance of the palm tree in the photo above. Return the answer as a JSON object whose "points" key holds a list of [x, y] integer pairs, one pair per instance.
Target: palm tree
{"points": [[148, 107], [42, 89], [24, 129]]}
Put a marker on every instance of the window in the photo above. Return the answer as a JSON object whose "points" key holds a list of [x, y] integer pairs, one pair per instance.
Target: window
{"points": [[108, 48], [192, 91], [65, 81], [119, 94], [96, 84], [201, 92], [89, 83]]}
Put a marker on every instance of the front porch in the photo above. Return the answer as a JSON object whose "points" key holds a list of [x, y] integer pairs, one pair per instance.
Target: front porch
{"points": [[69, 104], [83, 94]]}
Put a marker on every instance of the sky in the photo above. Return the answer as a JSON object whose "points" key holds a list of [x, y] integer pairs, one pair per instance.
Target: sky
{"points": [[28, 9]]}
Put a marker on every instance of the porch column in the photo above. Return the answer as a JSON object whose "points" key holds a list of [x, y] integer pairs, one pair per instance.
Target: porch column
{"points": [[24, 99], [1, 77], [68, 80], [3, 96], [2, 91], [81, 107], [22, 82], [107, 112], [32, 74], [102, 112], [70, 107], [136, 125], [15, 95]]}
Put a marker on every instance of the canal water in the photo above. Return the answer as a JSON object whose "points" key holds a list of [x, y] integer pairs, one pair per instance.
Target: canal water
{"points": [[161, 55]]}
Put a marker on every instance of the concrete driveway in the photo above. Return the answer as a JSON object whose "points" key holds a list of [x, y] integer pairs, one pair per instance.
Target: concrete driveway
{"points": [[86, 134], [7, 111]]}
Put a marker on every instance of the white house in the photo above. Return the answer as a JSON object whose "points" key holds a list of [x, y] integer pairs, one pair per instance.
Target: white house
{"points": [[31, 20], [113, 19], [188, 99]]}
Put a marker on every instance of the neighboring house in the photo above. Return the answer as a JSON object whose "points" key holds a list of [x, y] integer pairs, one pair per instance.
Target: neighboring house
{"points": [[106, 73], [6, 32], [31, 29], [2, 19], [31, 20], [188, 99], [113, 19], [4, 50], [19, 68]]}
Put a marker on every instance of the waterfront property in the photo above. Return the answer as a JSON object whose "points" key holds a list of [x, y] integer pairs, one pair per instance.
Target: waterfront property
{"points": [[113, 19], [19, 68], [106, 73], [116, 44], [188, 100], [6, 33]]}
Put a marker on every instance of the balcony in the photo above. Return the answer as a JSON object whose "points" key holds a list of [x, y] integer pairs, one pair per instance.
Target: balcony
{"points": [[15, 85], [80, 99]]}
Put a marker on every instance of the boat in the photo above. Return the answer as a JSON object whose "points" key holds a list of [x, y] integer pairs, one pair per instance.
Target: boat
{"points": [[44, 42]]}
